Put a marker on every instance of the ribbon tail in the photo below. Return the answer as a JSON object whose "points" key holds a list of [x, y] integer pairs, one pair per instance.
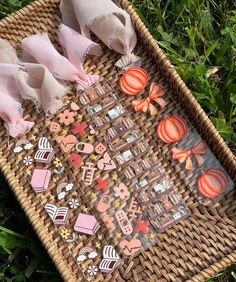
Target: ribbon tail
{"points": [[179, 155], [161, 102], [140, 105], [152, 109], [199, 159], [189, 164]]}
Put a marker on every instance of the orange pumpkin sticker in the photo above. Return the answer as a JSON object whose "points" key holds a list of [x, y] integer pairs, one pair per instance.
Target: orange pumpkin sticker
{"points": [[212, 183], [172, 129], [133, 81]]}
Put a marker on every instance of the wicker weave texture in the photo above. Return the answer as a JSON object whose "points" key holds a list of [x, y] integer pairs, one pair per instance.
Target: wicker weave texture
{"points": [[195, 249]]}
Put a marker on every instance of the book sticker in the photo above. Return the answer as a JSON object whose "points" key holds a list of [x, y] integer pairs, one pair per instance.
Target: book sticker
{"points": [[110, 259], [86, 224], [40, 180], [58, 215], [45, 152]]}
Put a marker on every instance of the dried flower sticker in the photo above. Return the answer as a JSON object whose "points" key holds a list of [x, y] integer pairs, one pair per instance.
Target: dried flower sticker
{"points": [[92, 270], [66, 117], [121, 191], [74, 203], [108, 221], [27, 160], [57, 162], [65, 233]]}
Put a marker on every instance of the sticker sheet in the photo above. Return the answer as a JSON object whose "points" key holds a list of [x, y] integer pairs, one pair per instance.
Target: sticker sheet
{"points": [[98, 178]]}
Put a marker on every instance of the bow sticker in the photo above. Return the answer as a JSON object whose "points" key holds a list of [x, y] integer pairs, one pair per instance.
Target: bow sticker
{"points": [[155, 92], [197, 151]]}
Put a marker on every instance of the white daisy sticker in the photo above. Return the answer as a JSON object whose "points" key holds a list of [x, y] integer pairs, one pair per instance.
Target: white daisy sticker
{"points": [[74, 203], [92, 270], [27, 160]]}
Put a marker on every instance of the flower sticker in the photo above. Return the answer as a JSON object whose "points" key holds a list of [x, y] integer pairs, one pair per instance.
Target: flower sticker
{"points": [[74, 203], [65, 233], [108, 221], [66, 117], [92, 270], [57, 162], [121, 191], [27, 160]]}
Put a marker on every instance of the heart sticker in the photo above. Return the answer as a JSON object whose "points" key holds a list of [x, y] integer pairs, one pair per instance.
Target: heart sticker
{"points": [[130, 247], [106, 163], [74, 106], [91, 130], [66, 142]]}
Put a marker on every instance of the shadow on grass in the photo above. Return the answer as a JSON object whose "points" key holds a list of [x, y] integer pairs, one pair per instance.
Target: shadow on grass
{"points": [[22, 257]]}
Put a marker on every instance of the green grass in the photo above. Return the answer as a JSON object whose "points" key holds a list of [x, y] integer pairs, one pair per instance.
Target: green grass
{"points": [[199, 37]]}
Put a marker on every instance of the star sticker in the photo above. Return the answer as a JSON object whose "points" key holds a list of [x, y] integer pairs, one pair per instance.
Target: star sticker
{"points": [[93, 158], [79, 128], [89, 138], [54, 179], [100, 237], [116, 204], [28, 172], [33, 137], [102, 184], [98, 245], [64, 132], [82, 266], [80, 237], [114, 177], [152, 236], [79, 117], [85, 209], [35, 130], [52, 198], [141, 226], [94, 196], [118, 235]]}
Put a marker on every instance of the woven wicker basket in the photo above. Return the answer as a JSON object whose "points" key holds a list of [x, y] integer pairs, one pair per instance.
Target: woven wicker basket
{"points": [[193, 250]]}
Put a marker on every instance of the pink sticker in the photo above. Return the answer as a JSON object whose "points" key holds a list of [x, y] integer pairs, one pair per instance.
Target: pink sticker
{"points": [[66, 142], [74, 106], [91, 130], [104, 203], [100, 149], [40, 180], [86, 224], [88, 173], [85, 148], [130, 247], [79, 128], [106, 163]]}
